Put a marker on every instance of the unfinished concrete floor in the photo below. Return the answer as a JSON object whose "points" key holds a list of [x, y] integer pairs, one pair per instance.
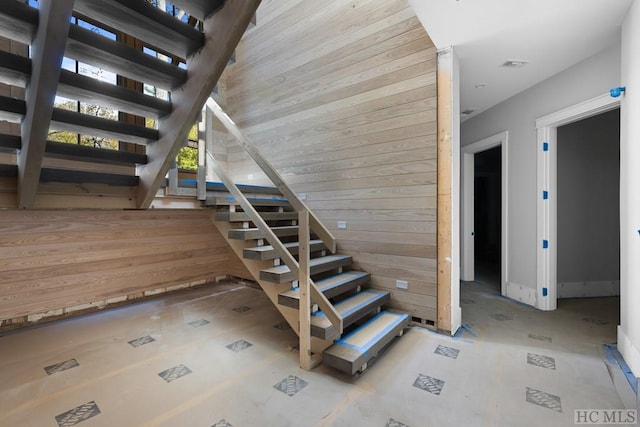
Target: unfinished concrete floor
{"points": [[220, 356]]}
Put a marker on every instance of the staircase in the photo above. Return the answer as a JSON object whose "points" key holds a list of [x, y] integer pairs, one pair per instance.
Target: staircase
{"points": [[190, 57], [340, 321]]}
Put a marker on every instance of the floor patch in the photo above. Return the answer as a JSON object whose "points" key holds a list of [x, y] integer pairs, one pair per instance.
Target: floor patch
{"points": [[394, 423], [241, 309], [542, 361], [77, 414], [283, 326], [199, 322], [222, 423], [174, 373], [430, 384], [501, 317], [141, 341], [291, 385], [239, 345], [62, 366], [539, 337], [449, 352], [546, 400], [467, 301]]}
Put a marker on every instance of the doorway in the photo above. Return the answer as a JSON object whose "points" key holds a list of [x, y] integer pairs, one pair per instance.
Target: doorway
{"points": [[547, 220], [588, 217], [484, 211]]}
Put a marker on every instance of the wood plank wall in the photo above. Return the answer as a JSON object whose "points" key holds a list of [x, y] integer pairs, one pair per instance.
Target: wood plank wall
{"points": [[57, 260], [341, 97]]}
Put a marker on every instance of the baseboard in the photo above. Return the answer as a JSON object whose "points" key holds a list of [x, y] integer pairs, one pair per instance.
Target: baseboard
{"points": [[603, 288], [521, 293]]}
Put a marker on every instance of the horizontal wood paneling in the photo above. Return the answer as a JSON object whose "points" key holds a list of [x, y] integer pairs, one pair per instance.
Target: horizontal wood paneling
{"points": [[341, 98], [53, 260]]}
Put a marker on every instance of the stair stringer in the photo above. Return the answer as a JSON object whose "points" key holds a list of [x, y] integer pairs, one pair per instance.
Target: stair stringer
{"points": [[271, 289]]}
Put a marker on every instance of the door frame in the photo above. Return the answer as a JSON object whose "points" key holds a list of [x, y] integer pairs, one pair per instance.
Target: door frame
{"points": [[547, 176], [467, 264]]}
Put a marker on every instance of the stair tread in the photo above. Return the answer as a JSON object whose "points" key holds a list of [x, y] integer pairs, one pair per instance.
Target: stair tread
{"points": [[282, 269], [289, 245], [356, 348], [348, 306], [328, 283], [243, 216], [256, 201], [255, 233]]}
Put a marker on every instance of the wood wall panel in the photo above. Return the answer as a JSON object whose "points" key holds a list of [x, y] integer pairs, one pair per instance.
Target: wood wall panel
{"points": [[341, 98], [53, 260]]}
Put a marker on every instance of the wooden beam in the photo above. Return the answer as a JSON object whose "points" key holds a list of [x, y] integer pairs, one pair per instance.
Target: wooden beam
{"points": [[145, 22], [86, 46], [445, 90], [47, 51], [98, 126], [18, 21], [200, 9], [223, 31]]}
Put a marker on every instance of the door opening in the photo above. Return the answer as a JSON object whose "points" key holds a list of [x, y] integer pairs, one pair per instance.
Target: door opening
{"points": [[484, 237], [487, 218]]}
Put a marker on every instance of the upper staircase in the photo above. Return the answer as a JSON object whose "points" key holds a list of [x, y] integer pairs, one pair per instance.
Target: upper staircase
{"points": [[179, 58]]}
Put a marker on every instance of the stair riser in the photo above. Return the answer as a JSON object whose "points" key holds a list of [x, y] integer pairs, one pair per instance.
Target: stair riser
{"points": [[289, 276]]}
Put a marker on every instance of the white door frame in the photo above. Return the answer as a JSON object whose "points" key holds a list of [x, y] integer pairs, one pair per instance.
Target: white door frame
{"points": [[467, 240], [547, 176]]}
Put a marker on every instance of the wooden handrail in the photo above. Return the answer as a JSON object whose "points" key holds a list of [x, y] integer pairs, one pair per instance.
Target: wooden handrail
{"points": [[298, 205], [318, 297]]}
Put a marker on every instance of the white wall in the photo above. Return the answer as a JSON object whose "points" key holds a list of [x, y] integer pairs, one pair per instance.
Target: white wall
{"points": [[629, 329], [587, 79], [588, 153]]}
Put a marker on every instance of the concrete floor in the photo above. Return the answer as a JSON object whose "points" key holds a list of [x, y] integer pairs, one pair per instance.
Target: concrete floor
{"points": [[219, 356]]}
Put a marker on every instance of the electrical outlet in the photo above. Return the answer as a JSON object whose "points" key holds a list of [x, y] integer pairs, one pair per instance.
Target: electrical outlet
{"points": [[342, 224], [402, 284], [303, 196]]}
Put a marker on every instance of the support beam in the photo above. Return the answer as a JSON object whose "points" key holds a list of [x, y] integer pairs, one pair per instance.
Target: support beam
{"points": [[223, 31], [47, 51]]}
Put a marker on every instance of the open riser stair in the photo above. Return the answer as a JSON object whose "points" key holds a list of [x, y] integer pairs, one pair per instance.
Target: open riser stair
{"points": [[368, 328], [150, 69]]}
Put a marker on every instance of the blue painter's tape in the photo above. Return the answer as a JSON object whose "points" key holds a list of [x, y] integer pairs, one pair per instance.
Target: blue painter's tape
{"points": [[367, 346], [545, 146], [545, 195], [545, 292], [612, 353], [465, 328], [638, 231], [545, 244], [353, 309]]}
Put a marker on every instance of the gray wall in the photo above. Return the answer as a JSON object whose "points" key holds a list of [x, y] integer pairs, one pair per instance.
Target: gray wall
{"points": [[588, 199], [587, 79]]}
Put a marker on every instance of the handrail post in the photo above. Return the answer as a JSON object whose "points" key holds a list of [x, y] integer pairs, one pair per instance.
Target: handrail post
{"points": [[305, 297]]}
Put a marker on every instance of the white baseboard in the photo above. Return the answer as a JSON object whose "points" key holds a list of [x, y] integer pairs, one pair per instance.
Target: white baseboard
{"points": [[604, 288], [524, 294], [629, 352]]}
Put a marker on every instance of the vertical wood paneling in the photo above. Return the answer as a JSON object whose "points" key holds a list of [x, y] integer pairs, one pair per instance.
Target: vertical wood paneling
{"points": [[341, 97], [53, 260]]}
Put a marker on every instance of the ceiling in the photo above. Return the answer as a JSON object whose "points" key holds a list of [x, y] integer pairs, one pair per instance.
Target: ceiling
{"points": [[551, 35]]}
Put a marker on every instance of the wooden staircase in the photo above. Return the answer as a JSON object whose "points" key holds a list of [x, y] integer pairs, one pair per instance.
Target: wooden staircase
{"points": [[189, 61], [294, 258]]}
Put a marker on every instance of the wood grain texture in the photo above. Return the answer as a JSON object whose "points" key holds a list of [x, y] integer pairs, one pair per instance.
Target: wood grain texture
{"points": [[341, 98], [58, 259]]}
